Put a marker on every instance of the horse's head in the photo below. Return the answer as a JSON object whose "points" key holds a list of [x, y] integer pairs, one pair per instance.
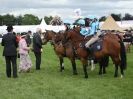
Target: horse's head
{"points": [[72, 33], [67, 35], [58, 37], [47, 36]]}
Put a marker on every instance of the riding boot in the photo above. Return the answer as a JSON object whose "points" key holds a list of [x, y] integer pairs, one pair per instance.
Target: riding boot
{"points": [[90, 53]]}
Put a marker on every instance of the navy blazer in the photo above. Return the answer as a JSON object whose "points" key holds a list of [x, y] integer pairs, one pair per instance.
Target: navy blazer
{"points": [[37, 43], [10, 44]]}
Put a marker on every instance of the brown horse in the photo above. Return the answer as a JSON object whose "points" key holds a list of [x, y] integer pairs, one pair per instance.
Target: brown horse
{"points": [[47, 36], [61, 50], [112, 46], [72, 52]]}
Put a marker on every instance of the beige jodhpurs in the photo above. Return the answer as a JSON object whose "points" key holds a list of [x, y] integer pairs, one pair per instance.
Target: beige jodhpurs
{"points": [[93, 39]]}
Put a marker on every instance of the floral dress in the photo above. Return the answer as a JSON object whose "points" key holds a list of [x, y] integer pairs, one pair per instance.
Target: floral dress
{"points": [[25, 61]]}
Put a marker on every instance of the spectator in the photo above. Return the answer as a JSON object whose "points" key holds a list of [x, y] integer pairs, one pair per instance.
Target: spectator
{"points": [[10, 51], [25, 61], [37, 47]]}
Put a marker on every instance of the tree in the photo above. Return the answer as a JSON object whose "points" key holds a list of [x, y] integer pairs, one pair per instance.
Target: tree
{"points": [[128, 17], [117, 17], [19, 20], [8, 20], [103, 18], [1, 20], [29, 19], [48, 19]]}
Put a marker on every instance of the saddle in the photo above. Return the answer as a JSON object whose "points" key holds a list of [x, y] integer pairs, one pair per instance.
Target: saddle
{"points": [[97, 46]]}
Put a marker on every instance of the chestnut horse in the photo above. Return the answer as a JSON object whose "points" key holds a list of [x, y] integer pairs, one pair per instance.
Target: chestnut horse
{"points": [[112, 46], [59, 37], [61, 50]]}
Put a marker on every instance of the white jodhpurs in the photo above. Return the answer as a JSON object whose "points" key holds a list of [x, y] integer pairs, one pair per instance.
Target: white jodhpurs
{"points": [[93, 39]]}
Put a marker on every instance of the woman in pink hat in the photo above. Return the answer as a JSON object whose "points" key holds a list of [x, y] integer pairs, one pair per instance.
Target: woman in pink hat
{"points": [[25, 61]]}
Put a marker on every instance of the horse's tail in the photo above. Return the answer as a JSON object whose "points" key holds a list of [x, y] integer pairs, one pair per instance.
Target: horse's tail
{"points": [[123, 54]]}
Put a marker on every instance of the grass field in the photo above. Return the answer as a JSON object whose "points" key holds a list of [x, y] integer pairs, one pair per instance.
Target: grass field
{"points": [[49, 83]]}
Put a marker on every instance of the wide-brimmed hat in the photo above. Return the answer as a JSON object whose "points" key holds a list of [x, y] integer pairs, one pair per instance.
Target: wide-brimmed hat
{"points": [[9, 27]]}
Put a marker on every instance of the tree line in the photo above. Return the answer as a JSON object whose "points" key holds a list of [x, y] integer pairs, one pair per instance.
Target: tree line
{"points": [[29, 19], [118, 17]]}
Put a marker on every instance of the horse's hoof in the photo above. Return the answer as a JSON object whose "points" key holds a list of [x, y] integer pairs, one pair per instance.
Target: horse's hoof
{"points": [[62, 68], [75, 73], [86, 76], [100, 73], [115, 76], [104, 72]]}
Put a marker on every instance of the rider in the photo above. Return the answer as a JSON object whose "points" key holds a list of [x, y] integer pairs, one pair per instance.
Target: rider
{"points": [[94, 27], [84, 30]]}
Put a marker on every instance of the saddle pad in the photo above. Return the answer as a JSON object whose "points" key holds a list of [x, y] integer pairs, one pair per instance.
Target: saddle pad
{"points": [[97, 46]]}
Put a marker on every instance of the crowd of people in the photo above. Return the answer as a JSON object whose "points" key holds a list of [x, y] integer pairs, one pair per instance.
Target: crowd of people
{"points": [[19, 46]]}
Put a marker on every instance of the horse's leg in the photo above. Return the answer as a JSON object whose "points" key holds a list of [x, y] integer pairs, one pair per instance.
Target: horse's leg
{"points": [[92, 65], [61, 64], [85, 64], [122, 72], [100, 68], [105, 62], [116, 61], [116, 71], [85, 70], [104, 70], [74, 66]]}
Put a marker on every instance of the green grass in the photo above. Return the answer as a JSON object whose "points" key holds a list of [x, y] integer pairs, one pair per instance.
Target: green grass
{"points": [[49, 83]]}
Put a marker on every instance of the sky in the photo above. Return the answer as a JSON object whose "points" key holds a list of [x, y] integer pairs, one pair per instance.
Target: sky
{"points": [[66, 8]]}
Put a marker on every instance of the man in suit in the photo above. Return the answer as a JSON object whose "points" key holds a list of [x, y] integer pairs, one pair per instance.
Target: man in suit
{"points": [[37, 47], [10, 51]]}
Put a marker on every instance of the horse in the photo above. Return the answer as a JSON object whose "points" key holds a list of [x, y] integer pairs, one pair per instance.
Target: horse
{"points": [[103, 63], [61, 50], [47, 36], [112, 46]]}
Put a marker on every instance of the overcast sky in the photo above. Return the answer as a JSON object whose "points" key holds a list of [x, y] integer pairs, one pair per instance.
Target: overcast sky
{"points": [[65, 8]]}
